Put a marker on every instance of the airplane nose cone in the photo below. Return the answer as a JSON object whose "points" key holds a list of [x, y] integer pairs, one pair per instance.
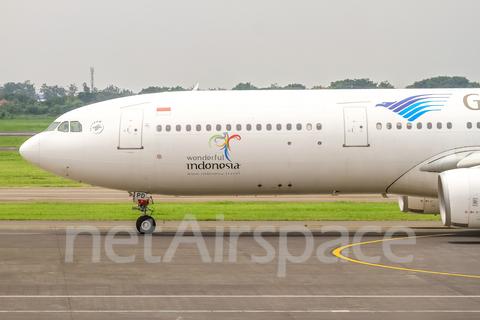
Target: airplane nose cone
{"points": [[30, 150]]}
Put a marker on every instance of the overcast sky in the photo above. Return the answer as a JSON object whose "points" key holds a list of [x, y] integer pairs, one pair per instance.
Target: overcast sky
{"points": [[142, 43]]}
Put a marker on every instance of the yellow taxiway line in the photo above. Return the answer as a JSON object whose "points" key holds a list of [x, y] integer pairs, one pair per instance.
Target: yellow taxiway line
{"points": [[337, 252]]}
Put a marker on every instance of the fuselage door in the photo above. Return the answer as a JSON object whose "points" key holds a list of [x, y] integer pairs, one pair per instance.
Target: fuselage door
{"points": [[356, 133], [131, 124]]}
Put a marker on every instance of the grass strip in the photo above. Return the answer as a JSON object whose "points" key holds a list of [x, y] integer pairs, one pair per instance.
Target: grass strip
{"points": [[12, 141], [17, 172], [207, 211], [26, 123]]}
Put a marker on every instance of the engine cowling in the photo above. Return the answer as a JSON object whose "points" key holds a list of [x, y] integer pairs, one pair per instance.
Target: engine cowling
{"points": [[418, 205], [459, 193]]}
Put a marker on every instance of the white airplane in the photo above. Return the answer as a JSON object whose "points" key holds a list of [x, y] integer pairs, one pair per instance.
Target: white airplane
{"points": [[421, 144]]}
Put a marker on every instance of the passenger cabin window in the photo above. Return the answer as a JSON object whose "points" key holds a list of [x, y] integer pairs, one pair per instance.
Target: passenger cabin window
{"points": [[259, 127], [299, 126], [449, 125], [75, 126], [419, 125], [168, 128], [409, 125], [53, 126], [249, 127], [178, 127], [279, 126], [469, 125], [229, 127], [63, 127], [239, 127], [188, 127], [269, 127], [319, 126], [389, 125], [309, 126], [219, 127], [439, 125], [478, 125], [429, 125], [399, 125], [209, 127], [159, 128], [198, 127], [379, 126], [289, 126]]}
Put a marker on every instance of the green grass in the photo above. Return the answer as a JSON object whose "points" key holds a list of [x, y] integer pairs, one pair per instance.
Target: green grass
{"points": [[207, 211], [26, 123], [12, 141], [17, 172]]}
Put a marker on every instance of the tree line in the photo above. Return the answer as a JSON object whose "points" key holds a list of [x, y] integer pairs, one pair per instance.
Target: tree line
{"points": [[21, 98]]}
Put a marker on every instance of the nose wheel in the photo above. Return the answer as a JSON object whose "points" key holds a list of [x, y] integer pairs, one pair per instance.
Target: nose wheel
{"points": [[146, 225]]}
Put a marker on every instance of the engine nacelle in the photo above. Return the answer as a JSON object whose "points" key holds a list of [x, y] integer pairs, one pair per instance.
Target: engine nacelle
{"points": [[458, 193], [418, 205]]}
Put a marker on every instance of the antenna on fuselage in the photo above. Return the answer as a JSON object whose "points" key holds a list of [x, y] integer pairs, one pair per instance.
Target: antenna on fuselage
{"points": [[196, 87]]}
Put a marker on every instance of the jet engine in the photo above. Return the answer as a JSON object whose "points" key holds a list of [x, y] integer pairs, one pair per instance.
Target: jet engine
{"points": [[418, 205], [458, 193]]}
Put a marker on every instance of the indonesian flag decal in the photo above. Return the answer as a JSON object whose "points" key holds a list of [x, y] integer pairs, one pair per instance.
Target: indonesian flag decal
{"points": [[164, 111]]}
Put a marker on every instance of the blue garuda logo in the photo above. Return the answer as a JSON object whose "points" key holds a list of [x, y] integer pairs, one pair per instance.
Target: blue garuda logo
{"points": [[415, 106]]}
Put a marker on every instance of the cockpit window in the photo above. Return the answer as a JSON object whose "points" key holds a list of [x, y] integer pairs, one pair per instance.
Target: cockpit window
{"points": [[53, 126], [75, 126], [63, 127]]}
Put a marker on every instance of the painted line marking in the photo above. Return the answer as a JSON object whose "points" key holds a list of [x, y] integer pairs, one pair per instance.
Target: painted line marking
{"points": [[337, 252], [244, 296], [15, 233], [240, 311], [223, 226], [7, 200]]}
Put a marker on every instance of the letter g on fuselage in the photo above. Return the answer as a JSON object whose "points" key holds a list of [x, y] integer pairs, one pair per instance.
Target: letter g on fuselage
{"points": [[465, 102]]}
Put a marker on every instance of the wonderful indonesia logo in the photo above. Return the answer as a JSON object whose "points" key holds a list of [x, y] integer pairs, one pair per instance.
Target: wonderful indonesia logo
{"points": [[216, 162]]}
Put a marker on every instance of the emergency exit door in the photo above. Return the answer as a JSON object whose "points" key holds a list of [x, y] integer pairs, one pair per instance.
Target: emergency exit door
{"points": [[131, 124], [356, 133]]}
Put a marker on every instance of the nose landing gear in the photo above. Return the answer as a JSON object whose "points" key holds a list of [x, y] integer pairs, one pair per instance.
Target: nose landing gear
{"points": [[145, 223]]}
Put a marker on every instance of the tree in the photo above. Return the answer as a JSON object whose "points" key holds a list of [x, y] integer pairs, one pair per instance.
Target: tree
{"points": [[25, 88], [161, 89], [153, 90], [116, 90], [294, 86], [444, 82], [245, 86], [177, 88], [50, 92], [364, 83], [273, 86], [318, 87], [86, 96], [72, 89], [385, 85], [474, 85], [86, 89]]}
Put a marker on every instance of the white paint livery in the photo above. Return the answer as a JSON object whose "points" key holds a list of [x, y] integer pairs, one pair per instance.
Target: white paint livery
{"points": [[345, 141]]}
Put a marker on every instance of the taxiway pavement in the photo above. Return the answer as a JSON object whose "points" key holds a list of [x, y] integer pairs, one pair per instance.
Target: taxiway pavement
{"points": [[225, 270], [102, 195]]}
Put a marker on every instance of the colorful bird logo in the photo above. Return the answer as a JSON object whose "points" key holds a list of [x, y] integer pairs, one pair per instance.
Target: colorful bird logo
{"points": [[223, 142], [415, 106]]}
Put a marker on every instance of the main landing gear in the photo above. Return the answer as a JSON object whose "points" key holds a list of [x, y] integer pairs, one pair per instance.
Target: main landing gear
{"points": [[145, 223]]}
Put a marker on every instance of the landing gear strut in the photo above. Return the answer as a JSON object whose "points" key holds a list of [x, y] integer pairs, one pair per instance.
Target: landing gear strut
{"points": [[145, 223]]}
